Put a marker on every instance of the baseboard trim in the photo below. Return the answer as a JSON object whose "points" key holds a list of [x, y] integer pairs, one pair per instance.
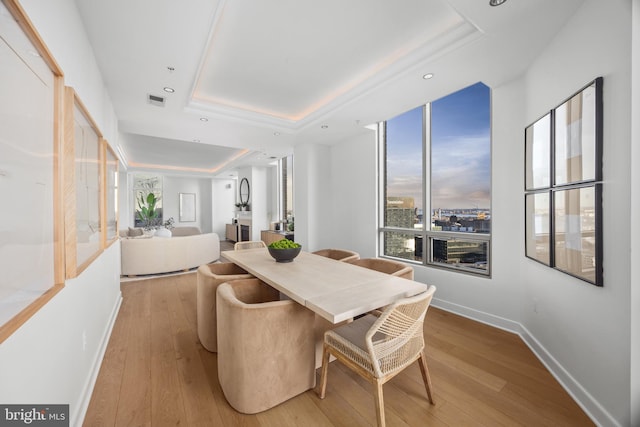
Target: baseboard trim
{"points": [[479, 316], [81, 411], [599, 415]]}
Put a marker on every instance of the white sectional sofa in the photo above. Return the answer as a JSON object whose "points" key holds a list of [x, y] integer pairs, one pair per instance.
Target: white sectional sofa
{"points": [[152, 255]]}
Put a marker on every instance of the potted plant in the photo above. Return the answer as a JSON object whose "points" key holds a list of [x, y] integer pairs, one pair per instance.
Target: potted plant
{"points": [[166, 230], [147, 211]]}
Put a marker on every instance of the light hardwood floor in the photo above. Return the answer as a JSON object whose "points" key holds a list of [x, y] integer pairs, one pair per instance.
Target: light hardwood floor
{"points": [[156, 373]]}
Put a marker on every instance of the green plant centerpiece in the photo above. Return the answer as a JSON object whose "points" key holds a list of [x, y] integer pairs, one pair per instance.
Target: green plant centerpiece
{"points": [[284, 250], [147, 211]]}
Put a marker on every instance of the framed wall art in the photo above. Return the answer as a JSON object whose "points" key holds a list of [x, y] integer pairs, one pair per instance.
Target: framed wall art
{"points": [[32, 245], [538, 154], [187, 207], [563, 186], [83, 162], [110, 179], [538, 226]]}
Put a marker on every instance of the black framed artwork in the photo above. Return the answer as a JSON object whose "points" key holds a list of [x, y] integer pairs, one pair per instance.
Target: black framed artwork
{"points": [[563, 188], [577, 232], [537, 154], [538, 226]]}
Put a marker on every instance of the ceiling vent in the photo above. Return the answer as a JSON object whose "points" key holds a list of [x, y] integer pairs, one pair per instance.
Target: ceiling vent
{"points": [[156, 100]]}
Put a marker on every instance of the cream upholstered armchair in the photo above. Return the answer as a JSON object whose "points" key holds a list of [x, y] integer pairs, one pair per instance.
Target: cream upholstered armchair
{"points": [[389, 266], [266, 349], [379, 348], [338, 254], [209, 277]]}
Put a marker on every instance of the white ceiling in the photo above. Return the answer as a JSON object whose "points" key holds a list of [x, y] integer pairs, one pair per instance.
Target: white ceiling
{"points": [[268, 75]]}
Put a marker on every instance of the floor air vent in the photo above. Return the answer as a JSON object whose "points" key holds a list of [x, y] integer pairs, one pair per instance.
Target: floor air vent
{"points": [[156, 100]]}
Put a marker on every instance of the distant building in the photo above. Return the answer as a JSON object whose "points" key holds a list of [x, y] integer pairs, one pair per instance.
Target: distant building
{"points": [[400, 202], [403, 217], [466, 252]]}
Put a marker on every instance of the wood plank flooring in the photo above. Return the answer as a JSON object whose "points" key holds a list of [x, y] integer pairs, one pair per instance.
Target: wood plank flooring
{"points": [[156, 373]]}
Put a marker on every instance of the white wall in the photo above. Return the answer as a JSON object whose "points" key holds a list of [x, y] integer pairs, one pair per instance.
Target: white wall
{"points": [[580, 331], [312, 196], [586, 329], [223, 204], [635, 225], [55, 355], [352, 221], [172, 186]]}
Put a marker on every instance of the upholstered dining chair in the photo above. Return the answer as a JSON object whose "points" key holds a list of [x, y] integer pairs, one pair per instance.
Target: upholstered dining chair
{"points": [[389, 266], [338, 254], [266, 348], [379, 348], [208, 278], [251, 244]]}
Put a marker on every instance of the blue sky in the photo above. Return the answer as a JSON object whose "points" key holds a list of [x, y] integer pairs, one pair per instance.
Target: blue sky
{"points": [[461, 154]]}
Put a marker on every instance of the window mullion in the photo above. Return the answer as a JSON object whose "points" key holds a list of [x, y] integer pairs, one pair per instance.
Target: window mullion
{"points": [[426, 179]]}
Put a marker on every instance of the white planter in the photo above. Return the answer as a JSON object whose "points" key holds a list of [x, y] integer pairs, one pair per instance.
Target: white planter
{"points": [[163, 232]]}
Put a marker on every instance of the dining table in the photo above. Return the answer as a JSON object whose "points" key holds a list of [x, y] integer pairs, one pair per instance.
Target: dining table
{"points": [[335, 290]]}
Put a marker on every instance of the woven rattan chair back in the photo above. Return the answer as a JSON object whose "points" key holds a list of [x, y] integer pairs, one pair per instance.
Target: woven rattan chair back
{"points": [[252, 244], [390, 343]]}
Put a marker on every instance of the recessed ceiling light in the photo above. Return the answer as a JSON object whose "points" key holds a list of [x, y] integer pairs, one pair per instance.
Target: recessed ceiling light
{"points": [[428, 76], [204, 119], [169, 89], [324, 126], [496, 2]]}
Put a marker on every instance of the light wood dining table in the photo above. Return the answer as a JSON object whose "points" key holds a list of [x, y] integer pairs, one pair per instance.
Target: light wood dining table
{"points": [[335, 290]]}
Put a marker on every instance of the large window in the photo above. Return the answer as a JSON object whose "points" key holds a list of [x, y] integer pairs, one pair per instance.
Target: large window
{"points": [[436, 197]]}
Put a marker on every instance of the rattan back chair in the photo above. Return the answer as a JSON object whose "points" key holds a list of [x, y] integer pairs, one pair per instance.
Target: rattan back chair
{"points": [[338, 254], [251, 244], [384, 265], [379, 348]]}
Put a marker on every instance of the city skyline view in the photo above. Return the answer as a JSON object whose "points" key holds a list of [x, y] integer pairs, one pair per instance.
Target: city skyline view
{"points": [[460, 152]]}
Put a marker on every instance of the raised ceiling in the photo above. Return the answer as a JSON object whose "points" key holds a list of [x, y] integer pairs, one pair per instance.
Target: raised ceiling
{"points": [[253, 78]]}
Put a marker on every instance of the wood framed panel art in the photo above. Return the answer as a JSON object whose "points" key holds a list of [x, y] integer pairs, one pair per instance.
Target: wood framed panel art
{"points": [[82, 170], [110, 194], [31, 254]]}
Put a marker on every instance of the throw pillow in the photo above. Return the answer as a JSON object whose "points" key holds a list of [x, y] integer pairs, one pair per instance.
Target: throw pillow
{"points": [[133, 232]]}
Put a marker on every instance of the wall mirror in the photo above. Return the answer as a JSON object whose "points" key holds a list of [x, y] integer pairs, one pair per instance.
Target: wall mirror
{"points": [[244, 191]]}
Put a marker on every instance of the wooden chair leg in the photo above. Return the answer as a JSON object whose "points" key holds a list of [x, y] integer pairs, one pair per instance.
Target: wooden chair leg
{"points": [[379, 403], [425, 376], [323, 373]]}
